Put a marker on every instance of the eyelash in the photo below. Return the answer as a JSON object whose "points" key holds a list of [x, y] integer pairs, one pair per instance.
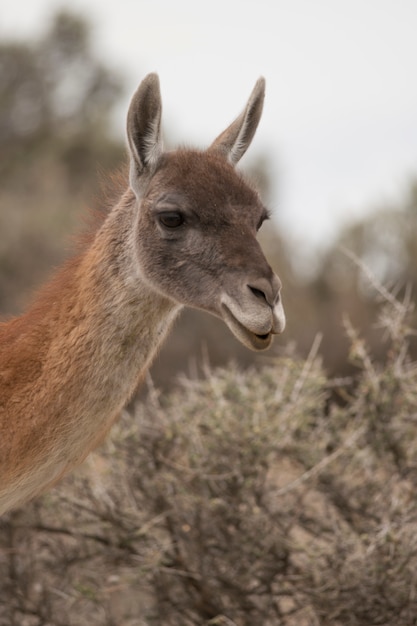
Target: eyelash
{"points": [[262, 220]]}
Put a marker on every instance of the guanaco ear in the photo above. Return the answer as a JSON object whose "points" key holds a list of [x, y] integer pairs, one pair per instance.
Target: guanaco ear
{"points": [[235, 140], [144, 129]]}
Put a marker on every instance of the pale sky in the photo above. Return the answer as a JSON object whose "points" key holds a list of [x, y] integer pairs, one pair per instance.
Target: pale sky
{"points": [[340, 119]]}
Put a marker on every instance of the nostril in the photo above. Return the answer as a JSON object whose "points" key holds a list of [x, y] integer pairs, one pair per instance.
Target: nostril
{"points": [[267, 290], [258, 293]]}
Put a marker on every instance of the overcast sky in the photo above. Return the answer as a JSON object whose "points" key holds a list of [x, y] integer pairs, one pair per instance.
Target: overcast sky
{"points": [[340, 119]]}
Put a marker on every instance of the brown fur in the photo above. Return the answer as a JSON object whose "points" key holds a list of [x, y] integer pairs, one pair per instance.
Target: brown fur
{"points": [[71, 362]]}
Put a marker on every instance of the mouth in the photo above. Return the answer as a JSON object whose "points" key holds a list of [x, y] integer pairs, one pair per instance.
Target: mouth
{"points": [[251, 340]]}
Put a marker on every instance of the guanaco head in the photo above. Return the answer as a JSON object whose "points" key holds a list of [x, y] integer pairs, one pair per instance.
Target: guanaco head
{"points": [[197, 221]]}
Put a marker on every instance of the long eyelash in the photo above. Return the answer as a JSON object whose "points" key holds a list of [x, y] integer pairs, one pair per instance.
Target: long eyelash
{"points": [[267, 214]]}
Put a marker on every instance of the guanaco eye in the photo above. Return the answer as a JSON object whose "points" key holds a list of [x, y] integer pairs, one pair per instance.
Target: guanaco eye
{"points": [[171, 219]]}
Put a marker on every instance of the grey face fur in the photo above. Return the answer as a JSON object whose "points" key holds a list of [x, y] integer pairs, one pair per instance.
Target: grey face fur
{"points": [[197, 220]]}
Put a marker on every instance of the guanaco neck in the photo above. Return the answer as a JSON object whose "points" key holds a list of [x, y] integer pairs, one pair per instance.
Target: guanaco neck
{"points": [[85, 345]]}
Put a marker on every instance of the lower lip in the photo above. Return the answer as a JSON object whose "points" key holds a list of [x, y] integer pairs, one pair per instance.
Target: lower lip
{"points": [[258, 342], [263, 337]]}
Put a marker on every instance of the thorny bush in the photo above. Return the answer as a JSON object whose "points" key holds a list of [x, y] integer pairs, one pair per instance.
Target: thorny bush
{"points": [[273, 497]]}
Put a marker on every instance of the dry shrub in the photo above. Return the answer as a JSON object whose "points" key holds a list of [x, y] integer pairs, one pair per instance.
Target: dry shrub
{"points": [[273, 497]]}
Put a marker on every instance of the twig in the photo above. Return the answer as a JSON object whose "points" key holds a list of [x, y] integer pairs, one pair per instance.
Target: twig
{"points": [[373, 280], [316, 469], [299, 383]]}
